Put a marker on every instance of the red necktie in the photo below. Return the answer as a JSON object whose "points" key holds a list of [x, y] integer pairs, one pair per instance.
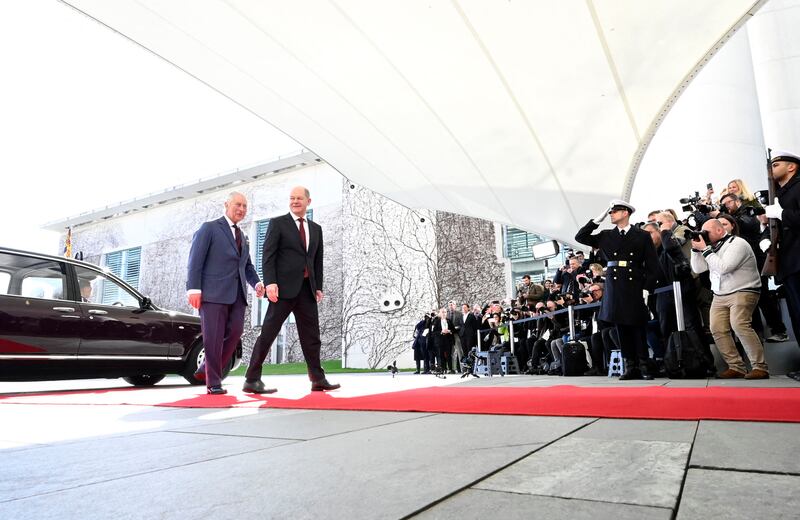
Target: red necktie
{"points": [[238, 233], [303, 241]]}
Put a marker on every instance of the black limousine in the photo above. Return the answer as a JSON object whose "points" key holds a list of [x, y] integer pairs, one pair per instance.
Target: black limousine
{"points": [[65, 319]]}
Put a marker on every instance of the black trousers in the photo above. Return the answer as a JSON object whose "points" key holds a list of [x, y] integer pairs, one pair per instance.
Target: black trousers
{"points": [[792, 287], [770, 308], [633, 343], [304, 307]]}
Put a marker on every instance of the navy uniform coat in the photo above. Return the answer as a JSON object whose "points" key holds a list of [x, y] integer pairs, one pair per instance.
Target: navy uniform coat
{"points": [[789, 244], [622, 301]]}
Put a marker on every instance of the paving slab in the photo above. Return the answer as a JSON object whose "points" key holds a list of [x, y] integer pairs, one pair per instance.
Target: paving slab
{"points": [[303, 426], [639, 430], [52, 468], [772, 447], [645, 473], [479, 503], [32, 425], [739, 495], [43, 424], [387, 471]]}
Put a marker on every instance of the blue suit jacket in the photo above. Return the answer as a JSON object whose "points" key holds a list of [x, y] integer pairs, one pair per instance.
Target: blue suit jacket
{"points": [[215, 266]]}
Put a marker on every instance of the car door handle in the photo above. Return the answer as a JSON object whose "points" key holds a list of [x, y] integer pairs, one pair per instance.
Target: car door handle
{"points": [[97, 311], [64, 309]]}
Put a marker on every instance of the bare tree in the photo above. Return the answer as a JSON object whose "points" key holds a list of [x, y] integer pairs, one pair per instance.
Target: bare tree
{"points": [[468, 268], [390, 249]]}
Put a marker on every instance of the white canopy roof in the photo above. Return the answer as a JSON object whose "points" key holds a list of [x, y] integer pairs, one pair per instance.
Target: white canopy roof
{"points": [[532, 113]]}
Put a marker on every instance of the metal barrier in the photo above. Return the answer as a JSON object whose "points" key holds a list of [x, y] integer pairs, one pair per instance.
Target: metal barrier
{"points": [[570, 310]]}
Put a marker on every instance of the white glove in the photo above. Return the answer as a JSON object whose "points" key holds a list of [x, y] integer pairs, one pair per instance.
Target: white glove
{"points": [[645, 295], [774, 210], [601, 217], [764, 244]]}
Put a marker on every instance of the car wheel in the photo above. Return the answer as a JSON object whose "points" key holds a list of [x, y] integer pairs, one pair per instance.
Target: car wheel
{"points": [[196, 358], [193, 362], [144, 379]]}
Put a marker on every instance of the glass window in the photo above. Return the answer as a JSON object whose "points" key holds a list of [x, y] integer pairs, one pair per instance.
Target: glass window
{"points": [[126, 265], [32, 277], [99, 289], [518, 243]]}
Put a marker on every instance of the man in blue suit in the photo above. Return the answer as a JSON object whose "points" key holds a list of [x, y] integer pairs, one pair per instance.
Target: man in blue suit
{"points": [[219, 271]]}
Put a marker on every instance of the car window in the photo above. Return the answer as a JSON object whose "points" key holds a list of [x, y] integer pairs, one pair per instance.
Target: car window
{"points": [[32, 277], [97, 288]]}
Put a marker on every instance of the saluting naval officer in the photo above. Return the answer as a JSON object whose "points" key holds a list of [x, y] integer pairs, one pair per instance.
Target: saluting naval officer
{"points": [[631, 272]]}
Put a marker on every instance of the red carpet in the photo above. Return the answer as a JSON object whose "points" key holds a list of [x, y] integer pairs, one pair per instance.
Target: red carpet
{"points": [[652, 402]]}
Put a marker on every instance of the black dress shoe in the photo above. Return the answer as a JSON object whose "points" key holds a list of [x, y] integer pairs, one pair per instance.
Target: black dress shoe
{"points": [[257, 388], [216, 390], [631, 373], [323, 385]]}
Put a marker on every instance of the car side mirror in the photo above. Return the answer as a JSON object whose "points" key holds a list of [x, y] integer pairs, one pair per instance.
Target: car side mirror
{"points": [[146, 304]]}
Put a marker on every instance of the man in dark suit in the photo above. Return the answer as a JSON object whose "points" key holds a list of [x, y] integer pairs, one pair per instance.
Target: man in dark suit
{"points": [[292, 268], [469, 331], [443, 334], [219, 271], [632, 271]]}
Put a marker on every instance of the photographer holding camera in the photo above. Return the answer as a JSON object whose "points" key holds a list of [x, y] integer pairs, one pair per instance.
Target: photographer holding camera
{"points": [[749, 228], [673, 246], [736, 285], [631, 272]]}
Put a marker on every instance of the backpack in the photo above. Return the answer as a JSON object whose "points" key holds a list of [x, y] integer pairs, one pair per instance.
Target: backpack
{"points": [[684, 356], [573, 359]]}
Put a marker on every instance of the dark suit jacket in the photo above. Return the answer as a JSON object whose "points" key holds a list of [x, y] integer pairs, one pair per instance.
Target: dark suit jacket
{"points": [[284, 257], [215, 264], [443, 341], [469, 330]]}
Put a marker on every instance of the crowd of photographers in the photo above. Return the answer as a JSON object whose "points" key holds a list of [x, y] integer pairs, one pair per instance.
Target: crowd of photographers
{"points": [[716, 255]]}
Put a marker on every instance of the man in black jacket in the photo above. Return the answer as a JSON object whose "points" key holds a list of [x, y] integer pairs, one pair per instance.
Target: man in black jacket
{"points": [[443, 335], [292, 268], [631, 272], [787, 209]]}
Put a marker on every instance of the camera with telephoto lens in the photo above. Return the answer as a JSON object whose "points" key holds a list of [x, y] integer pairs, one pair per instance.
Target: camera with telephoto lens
{"points": [[694, 236], [693, 204], [751, 211]]}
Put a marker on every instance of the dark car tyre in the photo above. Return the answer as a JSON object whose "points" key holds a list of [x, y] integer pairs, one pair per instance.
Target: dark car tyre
{"points": [[195, 359], [144, 379]]}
